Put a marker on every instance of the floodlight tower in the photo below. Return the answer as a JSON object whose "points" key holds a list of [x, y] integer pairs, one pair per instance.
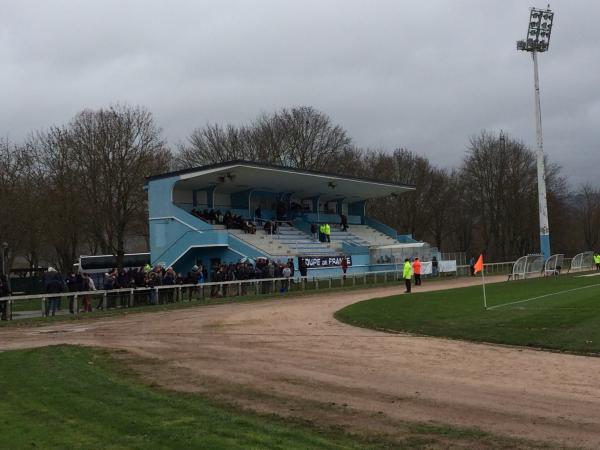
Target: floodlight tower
{"points": [[538, 40]]}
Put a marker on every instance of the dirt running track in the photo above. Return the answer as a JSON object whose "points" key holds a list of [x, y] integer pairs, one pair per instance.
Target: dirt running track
{"points": [[290, 356]]}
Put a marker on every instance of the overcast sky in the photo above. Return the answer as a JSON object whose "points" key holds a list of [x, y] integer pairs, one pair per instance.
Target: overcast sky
{"points": [[425, 75]]}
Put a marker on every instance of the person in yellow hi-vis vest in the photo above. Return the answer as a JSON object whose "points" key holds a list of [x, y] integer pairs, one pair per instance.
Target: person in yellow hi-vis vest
{"points": [[407, 275], [327, 232], [597, 261]]}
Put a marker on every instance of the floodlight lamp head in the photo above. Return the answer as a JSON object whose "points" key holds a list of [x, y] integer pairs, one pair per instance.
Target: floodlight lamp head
{"points": [[538, 31]]}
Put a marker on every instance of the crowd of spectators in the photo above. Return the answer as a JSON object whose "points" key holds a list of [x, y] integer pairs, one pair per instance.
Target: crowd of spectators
{"points": [[230, 220], [151, 277], [263, 268]]}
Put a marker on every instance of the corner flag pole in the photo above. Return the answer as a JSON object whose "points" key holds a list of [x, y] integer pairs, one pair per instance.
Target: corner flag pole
{"points": [[480, 268], [484, 297]]}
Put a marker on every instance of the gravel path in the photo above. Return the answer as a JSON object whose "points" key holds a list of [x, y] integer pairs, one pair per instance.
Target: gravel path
{"points": [[291, 357]]}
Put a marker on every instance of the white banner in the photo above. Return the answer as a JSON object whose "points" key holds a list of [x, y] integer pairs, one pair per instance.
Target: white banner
{"points": [[426, 268], [443, 266], [447, 266]]}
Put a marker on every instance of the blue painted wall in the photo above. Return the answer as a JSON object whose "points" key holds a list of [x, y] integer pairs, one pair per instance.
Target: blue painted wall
{"points": [[177, 238]]}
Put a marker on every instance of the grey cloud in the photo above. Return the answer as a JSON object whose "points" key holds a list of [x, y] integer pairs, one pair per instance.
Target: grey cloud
{"points": [[424, 75]]}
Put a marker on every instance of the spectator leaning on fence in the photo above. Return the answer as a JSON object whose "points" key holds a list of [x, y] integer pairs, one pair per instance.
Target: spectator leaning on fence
{"points": [[303, 268], [472, 266], [344, 265], [53, 284], [87, 284]]}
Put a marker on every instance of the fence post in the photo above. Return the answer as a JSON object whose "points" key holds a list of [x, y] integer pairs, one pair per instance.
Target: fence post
{"points": [[364, 277], [104, 302], [179, 298], [131, 298], [75, 305], [303, 283], [329, 282], [43, 306], [385, 277], [316, 280], [9, 306]]}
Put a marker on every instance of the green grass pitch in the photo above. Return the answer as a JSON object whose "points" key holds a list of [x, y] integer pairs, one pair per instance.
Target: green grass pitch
{"points": [[559, 313], [79, 398]]}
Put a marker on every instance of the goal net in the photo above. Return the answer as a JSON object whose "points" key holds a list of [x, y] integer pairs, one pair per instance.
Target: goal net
{"points": [[554, 264], [582, 261], [527, 266]]}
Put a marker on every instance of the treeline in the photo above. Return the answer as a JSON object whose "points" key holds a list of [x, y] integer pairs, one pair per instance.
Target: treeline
{"points": [[78, 188]]}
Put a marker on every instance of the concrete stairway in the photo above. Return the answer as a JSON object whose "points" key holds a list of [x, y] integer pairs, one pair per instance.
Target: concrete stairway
{"points": [[300, 243], [371, 236], [263, 242]]}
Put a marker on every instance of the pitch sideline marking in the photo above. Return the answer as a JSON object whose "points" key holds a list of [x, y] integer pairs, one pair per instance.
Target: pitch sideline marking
{"points": [[543, 296]]}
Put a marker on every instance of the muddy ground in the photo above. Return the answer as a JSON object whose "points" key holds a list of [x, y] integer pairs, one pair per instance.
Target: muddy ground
{"points": [[289, 356]]}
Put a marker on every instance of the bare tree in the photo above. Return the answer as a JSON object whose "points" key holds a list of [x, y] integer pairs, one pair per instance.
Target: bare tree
{"points": [[114, 150], [64, 215], [501, 175], [299, 137], [589, 215], [441, 199]]}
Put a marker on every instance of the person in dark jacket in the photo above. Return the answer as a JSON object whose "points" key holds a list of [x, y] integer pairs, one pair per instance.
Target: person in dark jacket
{"points": [[4, 292], [169, 280], [344, 265], [72, 286], [110, 283], [343, 222], [258, 216], [53, 284], [303, 268]]}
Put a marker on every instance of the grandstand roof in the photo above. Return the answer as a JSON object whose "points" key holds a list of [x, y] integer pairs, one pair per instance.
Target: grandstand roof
{"points": [[239, 175]]}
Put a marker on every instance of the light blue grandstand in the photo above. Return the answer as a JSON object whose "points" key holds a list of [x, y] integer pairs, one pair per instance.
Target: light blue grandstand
{"points": [[294, 199]]}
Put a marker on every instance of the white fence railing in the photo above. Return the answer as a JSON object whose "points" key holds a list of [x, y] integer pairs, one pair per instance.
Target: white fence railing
{"points": [[143, 296]]}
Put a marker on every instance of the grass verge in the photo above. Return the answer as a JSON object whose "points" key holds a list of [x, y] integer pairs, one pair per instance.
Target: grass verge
{"points": [[66, 397], [565, 318], [77, 398]]}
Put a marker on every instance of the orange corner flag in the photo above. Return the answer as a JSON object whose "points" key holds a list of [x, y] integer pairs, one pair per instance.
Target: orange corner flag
{"points": [[479, 264]]}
